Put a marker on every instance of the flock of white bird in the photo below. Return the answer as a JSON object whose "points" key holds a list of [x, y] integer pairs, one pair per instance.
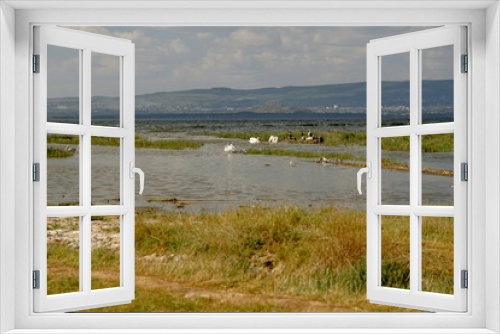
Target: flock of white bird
{"points": [[252, 140], [274, 140]]}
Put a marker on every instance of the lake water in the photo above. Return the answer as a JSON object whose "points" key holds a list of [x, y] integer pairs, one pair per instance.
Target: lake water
{"points": [[210, 180]]}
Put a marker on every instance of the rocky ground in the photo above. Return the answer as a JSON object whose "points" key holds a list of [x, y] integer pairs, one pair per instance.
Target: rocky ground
{"points": [[65, 231]]}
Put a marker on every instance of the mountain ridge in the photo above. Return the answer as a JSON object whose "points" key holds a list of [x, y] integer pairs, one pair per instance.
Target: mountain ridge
{"points": [[288, 99]]}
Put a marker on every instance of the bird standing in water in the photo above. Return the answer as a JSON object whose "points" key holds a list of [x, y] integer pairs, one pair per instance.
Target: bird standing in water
{"points": [[229, 148]]}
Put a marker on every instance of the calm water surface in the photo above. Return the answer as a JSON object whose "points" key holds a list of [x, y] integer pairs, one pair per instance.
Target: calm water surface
{"points": [[209, 179]]}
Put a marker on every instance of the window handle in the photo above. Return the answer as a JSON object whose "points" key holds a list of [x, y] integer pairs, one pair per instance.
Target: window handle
{"points": [[139, 171], [368, 171]]}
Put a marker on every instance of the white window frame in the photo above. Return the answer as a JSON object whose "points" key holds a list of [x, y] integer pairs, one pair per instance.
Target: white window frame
{"points": [[482, 18], [85, 44], [413, 44]]}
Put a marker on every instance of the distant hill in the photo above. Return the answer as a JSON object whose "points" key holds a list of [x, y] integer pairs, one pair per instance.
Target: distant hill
{"points": [[268, 100]]}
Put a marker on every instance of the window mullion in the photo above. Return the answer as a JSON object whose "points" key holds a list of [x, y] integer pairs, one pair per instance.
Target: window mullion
{"points": [[414, 171], [86, 179]]}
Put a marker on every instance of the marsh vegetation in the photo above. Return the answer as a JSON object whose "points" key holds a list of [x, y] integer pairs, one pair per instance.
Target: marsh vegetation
{"points": [[311, 260], [140, 142]]}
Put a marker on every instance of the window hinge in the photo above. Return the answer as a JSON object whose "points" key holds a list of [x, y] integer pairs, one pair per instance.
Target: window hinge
{"points": [[36, 63], [465, 279], [36, 172], [36, 279], [465, 63], [464, 171]]}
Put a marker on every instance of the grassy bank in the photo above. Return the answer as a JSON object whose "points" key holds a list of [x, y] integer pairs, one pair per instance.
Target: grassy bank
{"points": [[331, 138], [174, 144], [404, 167], [301, 154], [314, 259], [430, 143], [338, 159], [55, 152], [160, 131], [140, 142]]}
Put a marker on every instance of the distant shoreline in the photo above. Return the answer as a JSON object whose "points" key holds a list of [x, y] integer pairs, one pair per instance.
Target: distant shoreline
{"points": [[247, 116]]}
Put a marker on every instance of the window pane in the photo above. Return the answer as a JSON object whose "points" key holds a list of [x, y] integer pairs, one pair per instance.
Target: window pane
{"points": [[63, 255], [63, 170], [437, 84], [105, 252], [63, 84], [395, 102], [105, 171], [437, 254], [437, 169], [395, 271], [395, 173], [105, 89]]}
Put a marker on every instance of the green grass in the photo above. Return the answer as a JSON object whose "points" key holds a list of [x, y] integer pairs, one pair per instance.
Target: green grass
{"points": [[287, 250], [55, 152], [59, 255], [438, 143], [140, 142], [70, 203], [316, 254], [345, 159], [302, 154], [430, 143], [173, 144], [331, 138], [98, 218], [63, 139], [437, 237], [170, 131]]}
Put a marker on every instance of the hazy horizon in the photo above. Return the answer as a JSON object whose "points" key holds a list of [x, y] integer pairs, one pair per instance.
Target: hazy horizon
{"points": [[243, 89]]}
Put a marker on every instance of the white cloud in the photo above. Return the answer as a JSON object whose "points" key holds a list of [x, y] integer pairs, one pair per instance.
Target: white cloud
{"points": [[175, 58], [245, 37], [178, 47]]}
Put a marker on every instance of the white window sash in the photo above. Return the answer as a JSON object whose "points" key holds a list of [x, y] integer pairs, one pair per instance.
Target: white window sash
{"points": [[86, 43], [412, 43]]}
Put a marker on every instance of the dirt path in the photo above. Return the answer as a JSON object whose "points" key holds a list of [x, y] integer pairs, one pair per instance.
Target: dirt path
{"points": [[185, 290]]}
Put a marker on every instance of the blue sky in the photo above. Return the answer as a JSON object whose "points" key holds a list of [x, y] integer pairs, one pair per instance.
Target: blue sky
{"points": [[178, 58]]}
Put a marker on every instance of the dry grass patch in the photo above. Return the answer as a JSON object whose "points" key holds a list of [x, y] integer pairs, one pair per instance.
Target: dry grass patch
{"points": [[316, 254]]}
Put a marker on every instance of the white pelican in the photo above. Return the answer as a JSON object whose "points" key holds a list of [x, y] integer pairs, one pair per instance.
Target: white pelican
{"points": [[273, 139], [322, 160], [254, 140], [229, 148]]}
